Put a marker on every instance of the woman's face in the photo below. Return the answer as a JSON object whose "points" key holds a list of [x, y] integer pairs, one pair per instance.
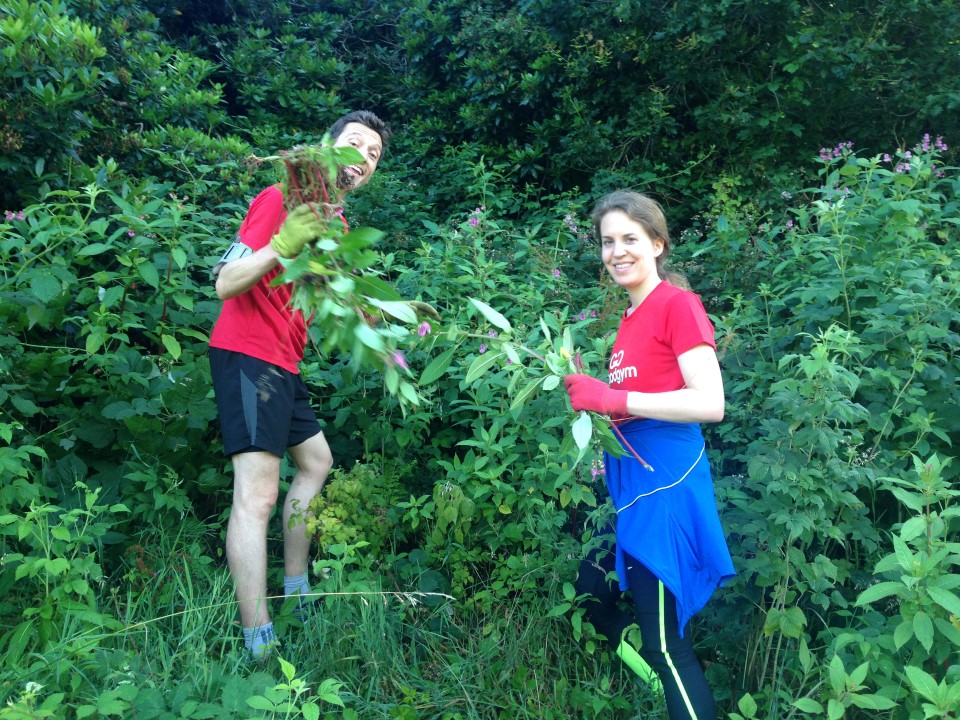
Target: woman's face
{"points": [[629, 253]]}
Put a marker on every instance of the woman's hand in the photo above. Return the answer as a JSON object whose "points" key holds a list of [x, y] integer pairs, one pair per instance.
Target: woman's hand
{"points": [[587, 393]]}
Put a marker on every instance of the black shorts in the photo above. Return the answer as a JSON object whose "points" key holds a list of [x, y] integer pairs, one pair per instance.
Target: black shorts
{"points": [[262, 406]]}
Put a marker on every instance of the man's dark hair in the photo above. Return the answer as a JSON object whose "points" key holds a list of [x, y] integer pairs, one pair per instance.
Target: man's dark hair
{"points": [[364, 117]]}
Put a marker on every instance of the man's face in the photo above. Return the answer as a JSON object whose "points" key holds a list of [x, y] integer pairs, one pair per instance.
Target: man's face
{"points": [[368, 143]]}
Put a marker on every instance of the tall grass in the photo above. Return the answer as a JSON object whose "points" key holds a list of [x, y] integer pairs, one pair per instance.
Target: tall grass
{"points": [[390, 655]]}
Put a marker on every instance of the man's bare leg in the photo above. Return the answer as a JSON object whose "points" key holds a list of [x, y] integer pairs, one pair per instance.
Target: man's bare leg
{"points": [[313, 460], [255, 490]]}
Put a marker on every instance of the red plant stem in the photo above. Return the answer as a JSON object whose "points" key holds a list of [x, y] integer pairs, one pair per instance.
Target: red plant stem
{"points": [[629, 447]]}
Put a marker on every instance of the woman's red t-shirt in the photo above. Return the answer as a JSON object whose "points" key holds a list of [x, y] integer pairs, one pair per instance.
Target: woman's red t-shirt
{"points": [[668, 322]]}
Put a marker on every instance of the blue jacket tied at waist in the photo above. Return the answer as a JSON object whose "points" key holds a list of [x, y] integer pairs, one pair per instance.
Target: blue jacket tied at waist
{"points": [[667, 519]]}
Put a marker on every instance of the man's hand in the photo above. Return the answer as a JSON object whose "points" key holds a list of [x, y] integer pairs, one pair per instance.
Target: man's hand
{"points": [[304, 224], [587, 393]]}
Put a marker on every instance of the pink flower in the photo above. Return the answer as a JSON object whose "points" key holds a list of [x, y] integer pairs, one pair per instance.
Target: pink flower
{"points": [[399, 359], [593, 313], [424, 329], [583, 316], [492, 333], [789, 223], [556, 272], [483, 348], [131, 233], [474, 221]]}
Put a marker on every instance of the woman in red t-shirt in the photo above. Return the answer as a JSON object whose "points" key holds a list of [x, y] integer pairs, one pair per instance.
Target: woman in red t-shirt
{"points": [[664, 380]]}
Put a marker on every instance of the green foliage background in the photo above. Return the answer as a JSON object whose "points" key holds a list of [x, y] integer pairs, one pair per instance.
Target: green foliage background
{"points": [[819, 223]]}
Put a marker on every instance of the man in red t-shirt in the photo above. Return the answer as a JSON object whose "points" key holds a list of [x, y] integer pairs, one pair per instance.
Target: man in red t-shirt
{"points": [[255, 347]]}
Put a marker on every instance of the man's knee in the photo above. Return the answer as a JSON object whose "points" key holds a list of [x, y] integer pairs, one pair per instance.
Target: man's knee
{"points": [[256, 483], [256, 503], [313, 457]]}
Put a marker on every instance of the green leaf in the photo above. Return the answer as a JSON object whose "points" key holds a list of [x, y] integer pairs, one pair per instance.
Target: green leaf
{"points": [[311, 711], [342, 285], [362, 237], [904, 556], [792, 622], [806, 659], [923, 629], [371, 287], [914, 501], [582, 429], [112, 706], [480, 365], [551, 382], [172, 345], [546, 330], [118, 410], [528, 390], [179, 257], [44, 286], [437, 367], [398, 309], [408, 392], [808, 705], [112, 295], [432, 227], [94, 249], [95, 340], [258, 702], [835, 710], [149, 273], [859, 674], [903, 633], [922, 682], [878, 592], [945, 599], [558, 609], [494, 317], [913, 528], [838, 676], [25, 405], [872, 702], [747, 705], [369, 337]]}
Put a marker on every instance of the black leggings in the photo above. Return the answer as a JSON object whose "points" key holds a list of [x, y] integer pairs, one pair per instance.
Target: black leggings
{"points": [[685, 688]]}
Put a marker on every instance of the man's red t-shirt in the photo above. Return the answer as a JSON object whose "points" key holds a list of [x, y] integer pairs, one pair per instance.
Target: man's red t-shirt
{"points": [[260, 322], [668, 322]]}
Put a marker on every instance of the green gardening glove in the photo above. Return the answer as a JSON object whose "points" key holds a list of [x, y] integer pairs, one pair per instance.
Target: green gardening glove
{"points": [[304, 224]]}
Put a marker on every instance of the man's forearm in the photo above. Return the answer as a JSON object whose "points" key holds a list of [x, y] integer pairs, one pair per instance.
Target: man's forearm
{"points": [[237, 277]]}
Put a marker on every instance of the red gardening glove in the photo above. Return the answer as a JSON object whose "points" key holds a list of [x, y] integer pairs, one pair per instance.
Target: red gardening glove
{"points": [[587, 393]]}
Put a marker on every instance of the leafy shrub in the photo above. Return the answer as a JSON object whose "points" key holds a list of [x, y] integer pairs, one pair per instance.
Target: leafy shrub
{"points": [[839, 366]]}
